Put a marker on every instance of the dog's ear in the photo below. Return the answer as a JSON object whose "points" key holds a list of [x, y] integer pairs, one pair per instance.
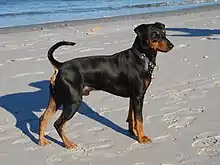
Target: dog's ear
{"points": [[160, 25], [140, 30]]}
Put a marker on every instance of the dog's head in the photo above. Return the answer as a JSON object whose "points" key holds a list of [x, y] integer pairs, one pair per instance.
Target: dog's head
{"points": [[153, 36]]}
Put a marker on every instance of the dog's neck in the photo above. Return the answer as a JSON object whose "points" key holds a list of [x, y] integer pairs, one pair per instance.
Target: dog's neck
{"points": [[149, 52]]}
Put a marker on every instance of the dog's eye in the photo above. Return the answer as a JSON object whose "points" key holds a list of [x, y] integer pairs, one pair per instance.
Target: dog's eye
{"points": [[155, 35]]}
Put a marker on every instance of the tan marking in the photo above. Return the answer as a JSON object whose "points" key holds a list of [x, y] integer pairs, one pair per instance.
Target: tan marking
{"points": [[48, 113], [139, 127], [146, 83], [159, 46], [53, 77], [141, 137], [86, 90], [67, 143]]}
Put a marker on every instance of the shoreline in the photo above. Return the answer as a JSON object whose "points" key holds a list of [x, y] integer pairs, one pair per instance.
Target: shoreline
{"points": [[52, 25]]}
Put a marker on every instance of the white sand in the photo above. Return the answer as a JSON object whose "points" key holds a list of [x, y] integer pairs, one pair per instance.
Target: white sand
{"points": [[181, 110]]}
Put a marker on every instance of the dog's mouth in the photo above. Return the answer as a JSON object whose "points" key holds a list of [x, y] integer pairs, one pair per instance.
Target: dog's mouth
{"points": [[164, 51], [161, 46]]}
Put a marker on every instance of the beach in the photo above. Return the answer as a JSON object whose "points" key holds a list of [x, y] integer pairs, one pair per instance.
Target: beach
{"points": [[181, 112]]}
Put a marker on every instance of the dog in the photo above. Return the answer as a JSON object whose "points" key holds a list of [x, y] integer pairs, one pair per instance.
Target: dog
{"points": [[127, 74]]}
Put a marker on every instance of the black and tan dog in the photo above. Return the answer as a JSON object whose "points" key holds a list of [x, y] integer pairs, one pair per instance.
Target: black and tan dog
{"points": [[126, 74]]}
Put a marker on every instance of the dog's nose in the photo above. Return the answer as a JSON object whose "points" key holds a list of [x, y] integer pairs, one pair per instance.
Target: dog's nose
{"points": [[170, 45]]}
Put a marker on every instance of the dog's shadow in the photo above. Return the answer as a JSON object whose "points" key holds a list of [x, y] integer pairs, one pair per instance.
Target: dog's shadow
{"points": [[24, 105]]}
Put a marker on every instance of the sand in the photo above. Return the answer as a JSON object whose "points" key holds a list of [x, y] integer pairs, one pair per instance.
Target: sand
{"points": [[181, 108]]}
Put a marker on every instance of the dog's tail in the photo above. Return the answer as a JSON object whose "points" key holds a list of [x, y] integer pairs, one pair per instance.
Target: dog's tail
{"points": [[56, 64]]}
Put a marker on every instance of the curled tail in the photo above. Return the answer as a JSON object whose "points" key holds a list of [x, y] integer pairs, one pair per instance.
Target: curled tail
{"points": [[56, 64]]}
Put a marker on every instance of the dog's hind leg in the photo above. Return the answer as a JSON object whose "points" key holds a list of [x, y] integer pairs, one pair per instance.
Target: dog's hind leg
{"points": [[48, 113], [68, 112]]}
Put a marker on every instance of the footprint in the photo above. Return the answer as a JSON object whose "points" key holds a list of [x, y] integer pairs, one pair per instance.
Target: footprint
{"points": [[186, 122], [180, 118], [195, 110], [170, 118], [52, 159], [208, 145], [80, 152], [76, 153], [177, 97], [209, 151], [97, 146], [206, 141], [33, 148], [137, 146], [96, 130]]}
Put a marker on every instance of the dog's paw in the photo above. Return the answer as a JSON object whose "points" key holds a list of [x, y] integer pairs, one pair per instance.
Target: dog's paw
{"points": [[70, 145], [44, 142], [144, 139]]}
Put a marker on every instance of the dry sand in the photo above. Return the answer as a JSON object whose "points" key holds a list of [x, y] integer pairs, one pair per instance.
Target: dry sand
{"points": [[181, 109]]}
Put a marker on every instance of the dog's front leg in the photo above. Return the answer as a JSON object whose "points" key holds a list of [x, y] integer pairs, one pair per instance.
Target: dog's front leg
{"points": [[138, 116], [130, 119]]}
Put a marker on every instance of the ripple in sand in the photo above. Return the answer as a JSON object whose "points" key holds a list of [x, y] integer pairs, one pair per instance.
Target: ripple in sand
{"points": [[90, 49], [26, 74], [19, 59], [161, 138]]}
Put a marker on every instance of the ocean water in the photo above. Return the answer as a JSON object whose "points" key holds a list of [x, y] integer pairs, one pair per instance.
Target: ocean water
{"points": [[27, 12]]}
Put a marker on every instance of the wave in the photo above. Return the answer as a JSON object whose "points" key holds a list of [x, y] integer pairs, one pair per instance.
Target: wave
{"points": [[107, 8]]}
